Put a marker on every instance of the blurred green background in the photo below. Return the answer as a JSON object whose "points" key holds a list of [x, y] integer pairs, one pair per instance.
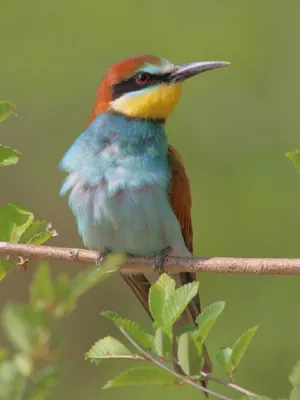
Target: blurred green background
{"points": [[233, 127]]}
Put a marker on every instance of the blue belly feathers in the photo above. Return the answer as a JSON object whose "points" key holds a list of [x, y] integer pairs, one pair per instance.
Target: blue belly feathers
{"points": [[118, 179]]}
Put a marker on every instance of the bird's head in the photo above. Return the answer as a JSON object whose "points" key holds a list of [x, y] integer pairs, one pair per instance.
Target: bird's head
{"points": [[146, 87]]}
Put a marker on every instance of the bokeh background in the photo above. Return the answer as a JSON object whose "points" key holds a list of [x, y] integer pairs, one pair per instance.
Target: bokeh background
{"points": [[233, 126]]}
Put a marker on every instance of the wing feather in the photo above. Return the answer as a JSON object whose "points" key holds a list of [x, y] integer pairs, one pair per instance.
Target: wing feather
{"points": [[181, 201]]}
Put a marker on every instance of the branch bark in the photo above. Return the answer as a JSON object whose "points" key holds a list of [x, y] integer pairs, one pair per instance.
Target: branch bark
{"points": [[219, 265]]}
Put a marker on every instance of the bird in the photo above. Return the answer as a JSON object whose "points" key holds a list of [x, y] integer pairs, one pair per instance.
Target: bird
{"points": [[128, 186]]}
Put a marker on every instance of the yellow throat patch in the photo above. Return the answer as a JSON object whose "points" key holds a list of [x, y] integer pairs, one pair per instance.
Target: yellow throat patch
{"points": [[156, 103]]}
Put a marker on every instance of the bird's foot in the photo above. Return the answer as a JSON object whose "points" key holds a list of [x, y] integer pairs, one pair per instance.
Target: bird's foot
{"points": [[160, 259], [102, 255]]}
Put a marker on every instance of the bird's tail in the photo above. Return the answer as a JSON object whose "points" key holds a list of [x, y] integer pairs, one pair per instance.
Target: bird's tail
{"points": [[140, 285], [191, 313]]}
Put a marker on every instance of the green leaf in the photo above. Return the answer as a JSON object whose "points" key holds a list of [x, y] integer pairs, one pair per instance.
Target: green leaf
{"points": [[222, 357], [295, 394], [294, 377], [8, 156], [162, 343], [14, 220], [43, 381], [63, 300], [25, 327], [159, 294], [142, 376], [68, 291], [240, 347], [38, 233], [41, 290], [208, 317], [40, 238], [12, 383], [108, 347], [132, 328], [6, 109], [187, 328], [294, 156], [5, 267], [24, 364], [91, 277], [190, 354], [177, 302], [229, 358], [3, 353]]}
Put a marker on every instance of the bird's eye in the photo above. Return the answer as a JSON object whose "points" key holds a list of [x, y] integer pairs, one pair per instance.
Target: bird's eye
{"points": [[142, 78]]}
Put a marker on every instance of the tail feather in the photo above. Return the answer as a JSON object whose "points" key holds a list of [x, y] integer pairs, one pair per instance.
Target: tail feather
{"points": [[191, 313], [140, 286]]}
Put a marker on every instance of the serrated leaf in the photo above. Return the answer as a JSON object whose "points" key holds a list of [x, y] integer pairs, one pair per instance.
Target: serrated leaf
{"points": [[6, 109], [162, 343], [14, 220], [142, 376], [241, 346], [108, 347], [294, 156], [8, 156], [190, 354], [222, 357], [208, 317], [42, 382], [12, 383], [5, 267], [132, 328], [294, 377], [41, 289], [159, 294], [176, 304], [25, 327]]}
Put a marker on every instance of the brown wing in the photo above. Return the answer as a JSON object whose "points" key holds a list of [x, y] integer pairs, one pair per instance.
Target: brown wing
{"points": [[180, 195], [181, 201]]}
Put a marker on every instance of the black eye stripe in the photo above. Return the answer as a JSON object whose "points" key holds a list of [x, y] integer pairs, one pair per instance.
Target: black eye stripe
{"points": [[131, 84]]}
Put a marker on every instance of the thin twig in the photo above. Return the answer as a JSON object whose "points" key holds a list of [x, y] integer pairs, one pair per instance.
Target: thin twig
{"points": [[223, 265], [228, 384], [164, 367]]}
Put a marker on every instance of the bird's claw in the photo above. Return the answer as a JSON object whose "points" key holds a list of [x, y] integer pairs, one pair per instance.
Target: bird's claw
{"points": [[102, 255], [160, 259]]}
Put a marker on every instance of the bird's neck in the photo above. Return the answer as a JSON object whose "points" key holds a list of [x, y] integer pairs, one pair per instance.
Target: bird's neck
{"points": [[136, 129], [157, 121]]}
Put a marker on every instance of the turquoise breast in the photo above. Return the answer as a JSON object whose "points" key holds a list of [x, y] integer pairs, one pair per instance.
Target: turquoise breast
{"points": [[118, 182]]}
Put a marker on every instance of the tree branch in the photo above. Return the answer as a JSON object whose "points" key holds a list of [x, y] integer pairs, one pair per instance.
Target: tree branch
{"points": [[223, 265], [181, 378]]}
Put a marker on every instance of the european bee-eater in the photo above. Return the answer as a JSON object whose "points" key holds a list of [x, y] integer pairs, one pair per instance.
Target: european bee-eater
{"points": [[128, 187]]}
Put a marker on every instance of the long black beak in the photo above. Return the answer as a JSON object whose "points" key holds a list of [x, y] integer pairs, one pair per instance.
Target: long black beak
{"points": [[185, 71]]}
